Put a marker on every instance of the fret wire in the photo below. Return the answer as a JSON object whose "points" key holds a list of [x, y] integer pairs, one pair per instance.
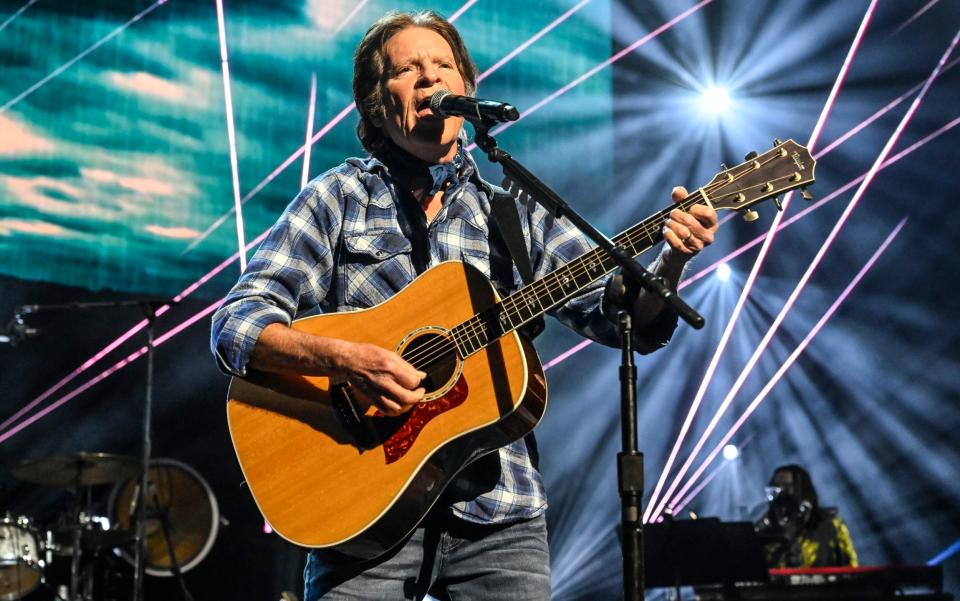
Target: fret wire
{"points": [[475, 336], [454, 332], [648, 229]]}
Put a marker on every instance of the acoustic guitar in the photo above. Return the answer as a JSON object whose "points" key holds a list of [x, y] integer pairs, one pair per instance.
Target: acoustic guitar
{"points": [[324, 473]]}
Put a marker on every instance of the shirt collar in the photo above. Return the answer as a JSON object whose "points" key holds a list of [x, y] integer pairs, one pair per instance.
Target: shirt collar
{"points": [[457, 172]]}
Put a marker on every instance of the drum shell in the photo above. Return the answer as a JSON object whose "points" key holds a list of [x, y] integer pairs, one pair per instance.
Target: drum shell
{"points": [[21, 569]]}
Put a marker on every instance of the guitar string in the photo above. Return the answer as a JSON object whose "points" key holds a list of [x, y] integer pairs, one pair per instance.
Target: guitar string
{"points": [[474, 327], [580, 266], [644, 230]]}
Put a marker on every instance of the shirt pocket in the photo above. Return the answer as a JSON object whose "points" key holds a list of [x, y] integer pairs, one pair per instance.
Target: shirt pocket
{"points": [[376, 265]]}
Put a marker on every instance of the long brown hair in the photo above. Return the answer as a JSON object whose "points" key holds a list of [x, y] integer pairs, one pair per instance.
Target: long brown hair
{"points": [[370, 67]]}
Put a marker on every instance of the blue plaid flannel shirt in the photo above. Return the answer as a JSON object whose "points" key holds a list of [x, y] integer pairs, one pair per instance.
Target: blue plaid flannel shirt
{"points": [[339, 247]]}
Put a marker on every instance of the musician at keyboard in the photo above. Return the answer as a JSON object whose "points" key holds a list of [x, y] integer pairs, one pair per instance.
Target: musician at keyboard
{"points": [[799, 532]]}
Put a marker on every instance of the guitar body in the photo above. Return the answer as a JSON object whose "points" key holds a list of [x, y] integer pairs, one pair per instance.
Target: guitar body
{"points": [[325, 475], [321, 480]]}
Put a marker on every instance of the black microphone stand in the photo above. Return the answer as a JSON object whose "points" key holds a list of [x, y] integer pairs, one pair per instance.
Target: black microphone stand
{"points": [[629, 460], [149, 308], [164, 517], [146, 447]]}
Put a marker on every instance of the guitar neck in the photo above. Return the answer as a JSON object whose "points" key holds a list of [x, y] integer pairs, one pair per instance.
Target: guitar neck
{"points": [[536, 298], [784, 167]]}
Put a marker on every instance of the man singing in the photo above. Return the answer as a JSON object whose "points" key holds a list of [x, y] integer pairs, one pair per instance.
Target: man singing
{"points": [[362, 231]]}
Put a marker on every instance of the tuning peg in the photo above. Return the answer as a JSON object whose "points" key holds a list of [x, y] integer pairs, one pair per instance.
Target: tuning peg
{"points": [[776, 203], [750, 215], [806, 193], [750, 155], [723, 166], [777, 142]]}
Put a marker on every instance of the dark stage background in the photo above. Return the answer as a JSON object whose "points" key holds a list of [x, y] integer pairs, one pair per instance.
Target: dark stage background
{"points": [[116, 184]]}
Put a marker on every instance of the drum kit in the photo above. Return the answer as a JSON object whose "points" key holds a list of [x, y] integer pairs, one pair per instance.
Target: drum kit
{"points": [[80, 556]]}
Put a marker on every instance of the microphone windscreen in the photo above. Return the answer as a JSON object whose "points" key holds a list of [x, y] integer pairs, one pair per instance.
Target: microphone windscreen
{"points": [[436, 99]]}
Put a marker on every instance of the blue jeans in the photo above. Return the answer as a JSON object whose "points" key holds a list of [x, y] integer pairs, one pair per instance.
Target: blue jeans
{"points": [[448, 558]]}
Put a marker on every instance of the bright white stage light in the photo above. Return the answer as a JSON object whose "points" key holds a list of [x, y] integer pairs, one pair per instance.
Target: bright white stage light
{"points": [[715, 100], [731, 452], [723, 272]]}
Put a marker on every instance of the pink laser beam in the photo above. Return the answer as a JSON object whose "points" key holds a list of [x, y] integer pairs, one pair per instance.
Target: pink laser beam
{"points": [[699, 488], [190, 289], [19, 12], [107, 372], [704, 484], [46, 410], [459, 13], [592, 71], [305, 174], [350, 16], [891, 105], [126, 336], [915, 16], [186, 323], [56, 72], [761, 347], [793, 356], [754, 271], [231, 134], [786, 223], [510, 55], [290, 159]]}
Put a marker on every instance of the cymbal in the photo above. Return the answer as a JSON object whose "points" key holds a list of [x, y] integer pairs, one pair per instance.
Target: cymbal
{"points": [[80, 469]]}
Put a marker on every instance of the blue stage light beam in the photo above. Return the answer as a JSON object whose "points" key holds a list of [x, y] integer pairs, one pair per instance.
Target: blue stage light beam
{"points": [[945, 554], [715, 100], [657, 503]]}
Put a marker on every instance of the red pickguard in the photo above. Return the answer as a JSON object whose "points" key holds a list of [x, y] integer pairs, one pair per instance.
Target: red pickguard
{"points": [[400, 442]]}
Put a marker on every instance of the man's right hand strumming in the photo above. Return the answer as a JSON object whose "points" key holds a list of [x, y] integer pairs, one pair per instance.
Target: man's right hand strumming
{"points": [[378, 377]]}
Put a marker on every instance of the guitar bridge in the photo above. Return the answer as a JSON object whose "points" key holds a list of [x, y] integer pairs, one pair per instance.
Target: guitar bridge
{"points": [[350, 418]]}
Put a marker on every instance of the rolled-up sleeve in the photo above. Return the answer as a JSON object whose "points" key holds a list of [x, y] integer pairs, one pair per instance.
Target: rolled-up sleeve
{"points": [[292, 268]]}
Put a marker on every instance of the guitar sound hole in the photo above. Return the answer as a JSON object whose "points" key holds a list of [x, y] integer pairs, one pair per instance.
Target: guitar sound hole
{"points": [[434, 354]]}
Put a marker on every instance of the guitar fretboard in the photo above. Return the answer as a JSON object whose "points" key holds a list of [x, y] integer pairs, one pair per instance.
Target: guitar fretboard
{"points": [[784, 167], [568, 281]]}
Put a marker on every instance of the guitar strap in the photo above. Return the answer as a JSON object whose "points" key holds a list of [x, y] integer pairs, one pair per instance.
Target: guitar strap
{"points": [[506, 231], [414, 226], [505, 228]]}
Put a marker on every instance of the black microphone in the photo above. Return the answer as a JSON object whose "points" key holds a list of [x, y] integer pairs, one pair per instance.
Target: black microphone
{"points": [[445, 103]]}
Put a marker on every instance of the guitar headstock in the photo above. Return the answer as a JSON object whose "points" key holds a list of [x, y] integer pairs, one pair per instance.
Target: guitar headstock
{"points": [[784, 167]]}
